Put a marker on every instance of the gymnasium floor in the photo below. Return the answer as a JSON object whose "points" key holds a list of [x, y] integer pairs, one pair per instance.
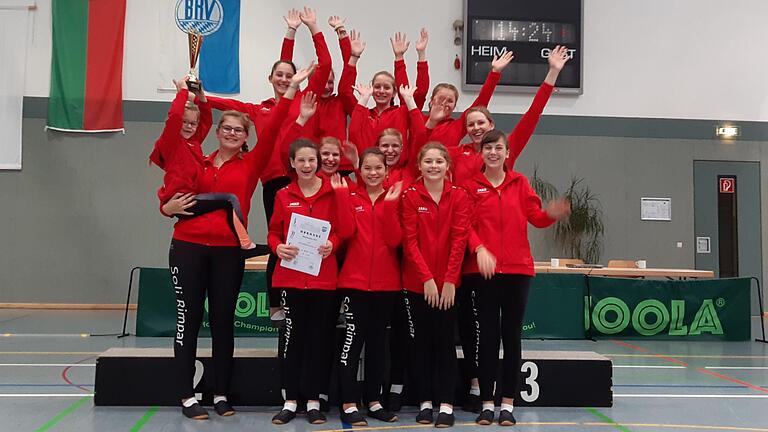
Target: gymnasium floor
{"points": [[47, 376]]}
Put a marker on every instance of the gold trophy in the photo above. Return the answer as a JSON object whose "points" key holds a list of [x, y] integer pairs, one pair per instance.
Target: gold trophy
{"points": [[195, 43]]}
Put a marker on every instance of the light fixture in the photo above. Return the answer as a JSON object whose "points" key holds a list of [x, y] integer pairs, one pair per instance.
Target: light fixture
{"points": [[727, 131]]}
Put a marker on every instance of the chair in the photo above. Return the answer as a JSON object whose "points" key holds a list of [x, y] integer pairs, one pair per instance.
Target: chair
{"points": [[622, 264]]}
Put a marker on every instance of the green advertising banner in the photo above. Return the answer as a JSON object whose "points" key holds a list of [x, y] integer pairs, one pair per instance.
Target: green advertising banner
{"points": [[715, 309], [555, 307], [156, 314]]}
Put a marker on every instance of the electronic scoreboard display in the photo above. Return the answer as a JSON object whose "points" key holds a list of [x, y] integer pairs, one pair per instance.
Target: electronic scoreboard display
{"points": [[530, 29]]}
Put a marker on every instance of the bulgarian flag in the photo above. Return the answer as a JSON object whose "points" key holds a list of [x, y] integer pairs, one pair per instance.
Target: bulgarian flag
{"points": [[87, 66]]}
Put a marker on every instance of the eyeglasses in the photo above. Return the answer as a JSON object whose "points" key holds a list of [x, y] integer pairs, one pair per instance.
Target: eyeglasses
{"points": [[232, 130]]}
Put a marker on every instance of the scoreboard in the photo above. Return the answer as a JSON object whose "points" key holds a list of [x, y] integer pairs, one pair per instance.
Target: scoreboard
{"points": [[528, 28]]}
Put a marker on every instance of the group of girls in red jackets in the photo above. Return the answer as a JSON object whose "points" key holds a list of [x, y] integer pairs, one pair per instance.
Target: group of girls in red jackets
{"points": [[430, 234]]}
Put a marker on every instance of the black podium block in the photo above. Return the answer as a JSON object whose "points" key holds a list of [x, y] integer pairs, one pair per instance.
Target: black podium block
{"points": [[146, 376]]}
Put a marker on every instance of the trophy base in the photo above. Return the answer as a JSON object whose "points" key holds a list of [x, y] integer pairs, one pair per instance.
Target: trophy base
{"points": [[193, 85]]}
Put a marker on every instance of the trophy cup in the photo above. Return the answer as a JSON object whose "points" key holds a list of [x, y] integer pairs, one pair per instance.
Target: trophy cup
{"points": [[195, 43]]}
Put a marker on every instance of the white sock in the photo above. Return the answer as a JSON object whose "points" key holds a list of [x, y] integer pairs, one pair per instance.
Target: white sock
{"points": [[425, 405], [375, 407], [324, 397], [488, 406], [350, 410], [313, 405], [396, 388], [290, 406], [474, 390], [507, 407], [217, 399], [446, 409], [189, 402], [251, 246], [278, 316]]}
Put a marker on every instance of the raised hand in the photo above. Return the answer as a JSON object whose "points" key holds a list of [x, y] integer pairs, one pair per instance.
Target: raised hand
{"points": [[309, 17], [350, 152], [399, 45], [438, 111], [358, 46], [421, 44], [365, 91], [499, 63], [406, 93], [338, 182], [393, 193], [558, 57], [292, 20], [308, 106], [302, 74], [558, 209], [336, 21]]}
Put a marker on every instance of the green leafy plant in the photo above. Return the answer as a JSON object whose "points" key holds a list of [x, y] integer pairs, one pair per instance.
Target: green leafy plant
{"points": [[581, 234]]}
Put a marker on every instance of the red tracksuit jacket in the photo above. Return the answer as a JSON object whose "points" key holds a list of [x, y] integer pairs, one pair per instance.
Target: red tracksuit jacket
{"points": [[451, 131], [327, 204], [434, 236], [366, 125], [261, 112], [371, 262], [239, 176], [181, 159], [500, 222], [467, 161]]}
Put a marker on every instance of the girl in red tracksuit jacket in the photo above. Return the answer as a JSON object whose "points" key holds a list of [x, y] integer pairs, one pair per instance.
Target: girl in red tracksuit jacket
{"points": [[435, 220], [306, 300], [204, 259], [467, 162], [500, 267], [450, 131], [369, 286], [366, 125], [179, 153]]}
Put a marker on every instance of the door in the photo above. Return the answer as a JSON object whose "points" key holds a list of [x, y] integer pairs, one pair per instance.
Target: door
{"points": [[727, 219]]}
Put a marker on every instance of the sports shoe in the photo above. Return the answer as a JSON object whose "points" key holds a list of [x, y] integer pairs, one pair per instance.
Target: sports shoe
{"points": [[424, 416], [506, 418], [283, 417], [195, 412], [472, 404], [383, 415], [314, 416], [485, 418], [445, 420], [354, 418], [394, 402], [223, 408]]}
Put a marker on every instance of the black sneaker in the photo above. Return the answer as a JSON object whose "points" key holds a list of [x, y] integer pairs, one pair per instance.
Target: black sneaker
{"points": [[283, 417], [259, 250], [383, 415], [506, 418], [354, 418], [473, 404], [223, 408], [424, 416], [485, 418], [314, 416], [195, 412], [394, 402], [324, 406], [445, 420]]}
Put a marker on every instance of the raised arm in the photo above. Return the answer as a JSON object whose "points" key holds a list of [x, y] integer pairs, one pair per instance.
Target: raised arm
{"points": [[337, 24], [519, 136], [318, 79], [292, 21], [422, 70], [171, 135], [417, 131], [400, 45], [349, 73], [206, 117]]}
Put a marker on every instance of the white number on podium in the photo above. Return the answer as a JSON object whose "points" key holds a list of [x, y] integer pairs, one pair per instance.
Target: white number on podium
{"points": [[199, 370], [533, 394]]}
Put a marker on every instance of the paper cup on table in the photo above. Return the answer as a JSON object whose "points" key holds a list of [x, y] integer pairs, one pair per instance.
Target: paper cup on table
{"points": [[554, 262], [641, 264]]}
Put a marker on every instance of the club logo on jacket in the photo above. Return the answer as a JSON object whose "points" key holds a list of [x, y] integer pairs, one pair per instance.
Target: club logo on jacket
{"points": [[359, 209], [423, 209], [482, 190], [294, 204]]}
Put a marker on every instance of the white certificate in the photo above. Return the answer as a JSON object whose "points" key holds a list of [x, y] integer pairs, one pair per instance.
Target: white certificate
{"points": [[308, 234]]}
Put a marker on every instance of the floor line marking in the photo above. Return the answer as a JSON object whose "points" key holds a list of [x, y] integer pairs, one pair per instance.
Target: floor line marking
{"points": [[431, 426], [48, 364], [67, 380], [50, 352], [647, 367], [737, 367], [60, 416], [637, 348], [683, 426], [144, 419], [691, 396], [608, 420], [45, 395], [43, 385]]}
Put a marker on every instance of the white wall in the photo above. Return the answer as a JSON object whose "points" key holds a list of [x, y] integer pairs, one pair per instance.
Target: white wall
{"points": [[650, 58]]}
